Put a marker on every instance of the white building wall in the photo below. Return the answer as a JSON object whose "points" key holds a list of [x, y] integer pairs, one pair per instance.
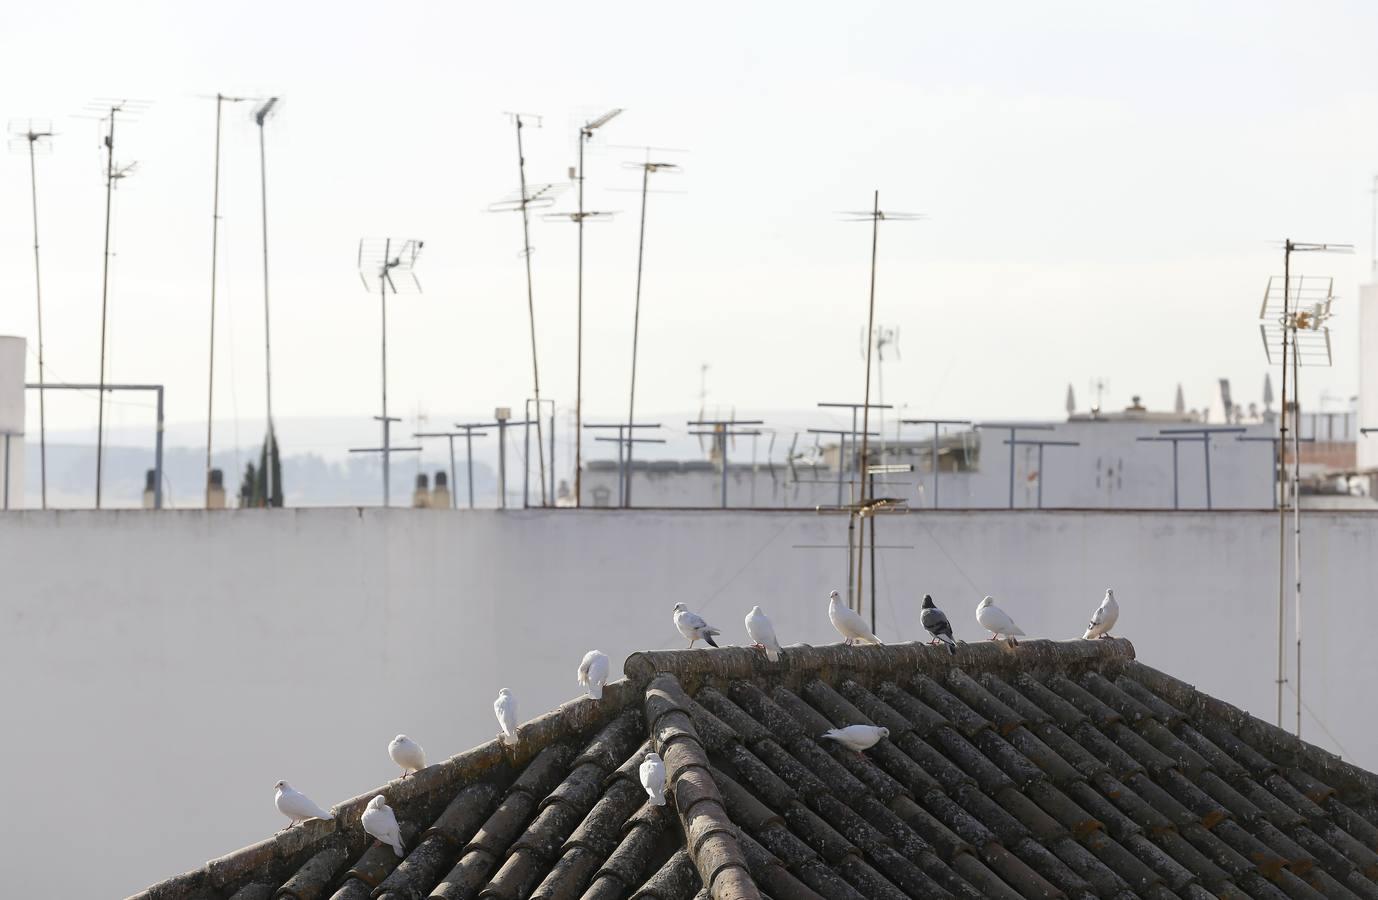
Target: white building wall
{"points": [[1110, 468], [1368, 375], [11, 422], [159, 671]]}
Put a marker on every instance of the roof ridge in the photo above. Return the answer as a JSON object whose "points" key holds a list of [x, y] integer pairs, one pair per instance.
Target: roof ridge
{"points": [[1036, 656]]}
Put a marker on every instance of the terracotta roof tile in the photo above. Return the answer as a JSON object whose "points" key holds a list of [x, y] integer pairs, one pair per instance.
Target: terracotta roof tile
{"points": [[1045, 770]]}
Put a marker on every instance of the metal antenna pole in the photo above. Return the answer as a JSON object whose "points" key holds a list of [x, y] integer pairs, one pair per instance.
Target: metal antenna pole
{"points": [[1296, 522], [530, 300], [866, 410], [1282, 506], [104, 297], [215, 247], [33, 137], [270, 489], [584, 135], [636, 321], [387, 443]]}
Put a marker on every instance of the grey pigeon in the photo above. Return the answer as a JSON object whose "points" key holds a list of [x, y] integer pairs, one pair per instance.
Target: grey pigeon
{"points": [[935, 621]]}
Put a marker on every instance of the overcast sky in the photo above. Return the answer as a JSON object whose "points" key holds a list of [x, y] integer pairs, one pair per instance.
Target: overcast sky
{"points": [[1105, 184]]}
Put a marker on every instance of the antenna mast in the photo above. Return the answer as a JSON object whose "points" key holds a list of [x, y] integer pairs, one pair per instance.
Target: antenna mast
{"points": [[270, 489], [113, 109], [215, 246], [34, 134], [646, 168]]}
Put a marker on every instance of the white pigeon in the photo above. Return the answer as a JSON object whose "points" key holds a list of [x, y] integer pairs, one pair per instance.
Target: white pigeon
{"points": [[996, 621], [593, 673], [380, 822], [857, 737], [1104, 618], [505, 708], [849, 622], [408, 754], [295, 805], [692, 626], [759, 629], [653, 778]]}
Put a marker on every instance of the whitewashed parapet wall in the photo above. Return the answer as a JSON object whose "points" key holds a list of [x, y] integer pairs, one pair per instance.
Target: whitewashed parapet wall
{"points": [[160, 671]]}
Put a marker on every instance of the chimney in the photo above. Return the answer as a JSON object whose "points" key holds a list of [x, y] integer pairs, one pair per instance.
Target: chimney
{"points": [[215, 497], [440, 495], [421, 499]]}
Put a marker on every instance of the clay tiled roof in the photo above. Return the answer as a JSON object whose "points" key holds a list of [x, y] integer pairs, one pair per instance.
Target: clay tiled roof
{"points": [[1046, 770]]}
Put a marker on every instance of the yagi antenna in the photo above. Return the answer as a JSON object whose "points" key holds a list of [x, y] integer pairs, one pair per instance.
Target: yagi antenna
{"points": [[380, 259]]}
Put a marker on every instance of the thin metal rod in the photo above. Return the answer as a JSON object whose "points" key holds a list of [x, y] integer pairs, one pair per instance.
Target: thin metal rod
{"points": [[1040, 476], [936, 448], [1206, 443], [724, 469], [1282, 506], [104, 297], [502, 465], [621, 473], [526, 454], [215, 246], [1296, 523], [158, 456], [469, 462], [38, 294], [270, 489], [387, 443], [579, 343], [636, 325], [866, 410], [873, 559], [7, 470], [453, 483], [1175, 504], [530, 304]]}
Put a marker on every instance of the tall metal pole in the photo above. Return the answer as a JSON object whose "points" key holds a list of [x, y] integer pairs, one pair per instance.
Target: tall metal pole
{"points": [[38, 293], [1175, 504], [1282, 507], [530, 302], [104, 297], [1206, 442], [270, 489], [453, 484], [1296, 521], [866, 410], [158, 455], [502, 464], [469, 462], [387, 443], [584, 135], [636, 325], [215, 245]]}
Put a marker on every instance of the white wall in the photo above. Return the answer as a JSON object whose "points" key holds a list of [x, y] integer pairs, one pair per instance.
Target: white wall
{"points": [[1109, 468], [159, 671]]}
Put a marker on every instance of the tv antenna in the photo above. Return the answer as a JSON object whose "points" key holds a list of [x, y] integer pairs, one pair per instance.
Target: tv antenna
{"points": [[527, 198], [585, 136], [381, 259], [883, 337], [35, 136], [220, 101], [1099, 385], [109, 111], [875, 216], [1293, 321]]}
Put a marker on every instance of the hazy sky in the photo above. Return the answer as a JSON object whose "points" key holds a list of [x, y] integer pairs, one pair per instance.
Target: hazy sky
{"points": [[1105, 184]]}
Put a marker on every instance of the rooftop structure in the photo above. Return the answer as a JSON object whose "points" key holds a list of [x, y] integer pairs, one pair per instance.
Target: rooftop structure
{"points": [[1050, 769]]}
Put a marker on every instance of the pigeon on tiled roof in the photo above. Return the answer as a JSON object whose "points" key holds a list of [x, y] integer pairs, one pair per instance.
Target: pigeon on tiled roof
{"points": [[1104, 618], [593, 673], [848, 622], [759, 629], [996, 621], [858, 737], [505, 708], [295, 805], [692, 626], [378, 821], [653, 778], [935, 621], [408, 754]]}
